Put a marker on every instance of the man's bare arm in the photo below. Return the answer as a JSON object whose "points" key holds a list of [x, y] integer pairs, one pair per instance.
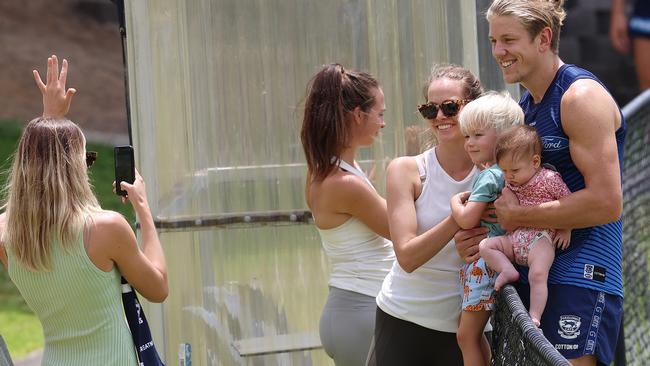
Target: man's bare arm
{"points": [[590, 119]]}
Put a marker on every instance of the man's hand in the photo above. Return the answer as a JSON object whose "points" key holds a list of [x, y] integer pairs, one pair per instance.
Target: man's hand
{"points": [[506, 206], [56, 99], [467, 243], [562, 238]]}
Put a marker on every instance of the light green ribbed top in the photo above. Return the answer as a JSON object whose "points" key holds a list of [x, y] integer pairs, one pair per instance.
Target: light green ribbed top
{"points": [[80, 309]]}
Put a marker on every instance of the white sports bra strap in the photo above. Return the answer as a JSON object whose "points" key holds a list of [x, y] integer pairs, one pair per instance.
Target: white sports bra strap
{"points": [[349, 168], [421, 161]]}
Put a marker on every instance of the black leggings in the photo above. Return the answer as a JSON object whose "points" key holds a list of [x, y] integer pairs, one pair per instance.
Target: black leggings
{"points": [[399, 342]]}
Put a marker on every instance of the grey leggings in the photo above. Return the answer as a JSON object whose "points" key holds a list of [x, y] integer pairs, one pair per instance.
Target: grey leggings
{"points": [[347, 326]]}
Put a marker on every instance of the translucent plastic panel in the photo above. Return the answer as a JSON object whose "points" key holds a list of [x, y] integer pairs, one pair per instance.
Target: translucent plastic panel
{"points": [[232, 286], [218, 87]]}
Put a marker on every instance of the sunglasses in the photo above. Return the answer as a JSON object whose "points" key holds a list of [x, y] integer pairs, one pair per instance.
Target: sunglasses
{"points": [[91, 156], [449, 108]]}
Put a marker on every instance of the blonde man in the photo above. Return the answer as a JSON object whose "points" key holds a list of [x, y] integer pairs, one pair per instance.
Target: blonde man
{"points": [[582, 133]]}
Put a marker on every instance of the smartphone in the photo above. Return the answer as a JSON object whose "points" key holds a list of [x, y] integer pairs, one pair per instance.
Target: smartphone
{"points": [[124, 167]]}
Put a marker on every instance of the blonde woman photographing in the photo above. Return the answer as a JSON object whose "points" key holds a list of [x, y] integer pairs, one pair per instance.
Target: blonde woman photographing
{"points": [[64, 253]]}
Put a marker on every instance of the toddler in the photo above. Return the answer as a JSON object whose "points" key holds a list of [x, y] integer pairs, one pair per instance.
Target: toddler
{"points": [[481, 121]]}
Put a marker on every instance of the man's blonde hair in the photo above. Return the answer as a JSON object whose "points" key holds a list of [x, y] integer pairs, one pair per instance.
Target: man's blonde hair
{"points": [[534, 15], [491, 110]]}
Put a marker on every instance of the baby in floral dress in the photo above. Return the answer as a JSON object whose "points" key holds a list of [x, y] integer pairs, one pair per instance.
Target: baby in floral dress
{"points": [[518, 154]]}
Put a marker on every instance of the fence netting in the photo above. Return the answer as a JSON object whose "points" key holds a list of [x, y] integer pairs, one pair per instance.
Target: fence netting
{"points": [[515, 339], [636, 231]]}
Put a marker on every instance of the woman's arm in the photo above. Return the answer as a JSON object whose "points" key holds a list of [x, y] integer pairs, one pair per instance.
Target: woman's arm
{"points": [[56, 99], [146, 269], [411, 250], [342, 195]]}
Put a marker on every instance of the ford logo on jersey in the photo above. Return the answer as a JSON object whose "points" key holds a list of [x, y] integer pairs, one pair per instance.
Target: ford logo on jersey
{"points": [[554, 143]]}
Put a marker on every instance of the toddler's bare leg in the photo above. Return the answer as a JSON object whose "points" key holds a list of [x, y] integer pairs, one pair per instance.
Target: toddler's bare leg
{"points": [[498, 254], [471, 340], [540, 260]]}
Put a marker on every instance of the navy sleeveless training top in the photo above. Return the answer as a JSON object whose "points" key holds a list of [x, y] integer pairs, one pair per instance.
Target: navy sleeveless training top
{"points": [[593, 260]]}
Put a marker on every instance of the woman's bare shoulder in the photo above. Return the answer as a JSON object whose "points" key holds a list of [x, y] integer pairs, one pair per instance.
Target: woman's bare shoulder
{"points": [[109, 223], [404, 165], [343, 186]]}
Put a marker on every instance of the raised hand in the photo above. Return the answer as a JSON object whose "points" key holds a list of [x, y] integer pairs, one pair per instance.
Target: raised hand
{"points": [[56, 99], [135, 193]]}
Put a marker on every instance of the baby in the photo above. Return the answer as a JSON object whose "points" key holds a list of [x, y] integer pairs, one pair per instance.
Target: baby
{"points": [[518, 153], [481, 121]]}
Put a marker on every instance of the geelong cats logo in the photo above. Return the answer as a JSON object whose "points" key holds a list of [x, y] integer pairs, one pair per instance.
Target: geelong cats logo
{"points": [[569, 326]]}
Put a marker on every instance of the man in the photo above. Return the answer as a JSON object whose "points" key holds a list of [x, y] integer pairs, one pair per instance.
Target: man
{"points": [[582, 132]]}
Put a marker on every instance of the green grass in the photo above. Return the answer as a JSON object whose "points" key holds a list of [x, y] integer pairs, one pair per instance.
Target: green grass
{"points": [[18, 325]]}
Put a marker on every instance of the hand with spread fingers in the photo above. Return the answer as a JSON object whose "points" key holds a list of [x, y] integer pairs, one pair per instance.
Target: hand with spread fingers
{"points": [[56, 99]]}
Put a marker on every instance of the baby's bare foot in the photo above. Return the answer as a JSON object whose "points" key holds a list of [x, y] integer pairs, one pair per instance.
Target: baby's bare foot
{"points": [[506, 277], [535, 321]]}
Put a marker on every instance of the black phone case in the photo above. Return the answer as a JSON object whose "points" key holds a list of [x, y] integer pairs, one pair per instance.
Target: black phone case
{"points": [[124, 167]]}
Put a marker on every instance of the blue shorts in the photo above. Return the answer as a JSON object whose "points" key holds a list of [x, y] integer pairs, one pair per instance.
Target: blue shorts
{"points": [[639, 23], [579, 321], [478, 281]]}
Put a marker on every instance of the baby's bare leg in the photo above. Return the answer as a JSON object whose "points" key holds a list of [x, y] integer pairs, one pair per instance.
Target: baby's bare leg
{"points": [[540, 260], [498, 254]]}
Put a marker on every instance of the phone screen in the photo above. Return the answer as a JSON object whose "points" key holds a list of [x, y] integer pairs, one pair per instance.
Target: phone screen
{"points": [[124, 167]]}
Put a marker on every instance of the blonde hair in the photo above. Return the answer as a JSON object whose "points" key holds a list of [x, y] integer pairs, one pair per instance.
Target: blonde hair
{"points": [[491, 110], [533, 15], [48, 194], [518, 141]]}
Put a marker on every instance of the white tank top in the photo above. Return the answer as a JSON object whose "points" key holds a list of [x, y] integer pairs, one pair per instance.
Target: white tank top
{"points": [[359, 257], [430, 296]]}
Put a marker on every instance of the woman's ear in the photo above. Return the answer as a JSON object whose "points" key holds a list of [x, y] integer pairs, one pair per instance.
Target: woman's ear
{"points": [[358, 114]]}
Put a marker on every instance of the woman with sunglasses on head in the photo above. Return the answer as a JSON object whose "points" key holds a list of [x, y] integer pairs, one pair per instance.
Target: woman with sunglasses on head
{"points": [[344, 111], [64, 253], [419, 303]]}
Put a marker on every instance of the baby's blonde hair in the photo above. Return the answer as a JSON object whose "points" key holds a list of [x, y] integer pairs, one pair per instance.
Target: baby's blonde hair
{"points": [[491, 110]]}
